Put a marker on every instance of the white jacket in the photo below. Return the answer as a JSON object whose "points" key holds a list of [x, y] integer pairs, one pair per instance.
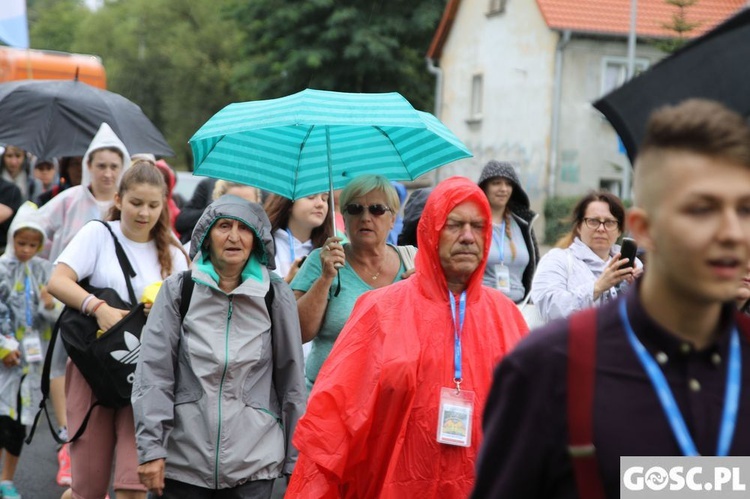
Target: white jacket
{"points": [[564, 280]]}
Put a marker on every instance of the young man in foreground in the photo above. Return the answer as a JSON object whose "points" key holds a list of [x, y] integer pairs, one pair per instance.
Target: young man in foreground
{"points": [[677, 330]]}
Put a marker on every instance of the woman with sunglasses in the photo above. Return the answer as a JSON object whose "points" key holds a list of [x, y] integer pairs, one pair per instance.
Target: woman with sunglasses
{"points": [[335, 275], [585, 268]]}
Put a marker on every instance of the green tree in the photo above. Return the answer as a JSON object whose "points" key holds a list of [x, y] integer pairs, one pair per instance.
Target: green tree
{"points": [[53, 24], [679, 25], [171, 57], [354, 46]]}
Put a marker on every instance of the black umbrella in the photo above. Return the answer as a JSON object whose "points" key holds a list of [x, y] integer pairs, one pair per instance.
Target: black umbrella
{"points": [[715, 66], [53, 118]]}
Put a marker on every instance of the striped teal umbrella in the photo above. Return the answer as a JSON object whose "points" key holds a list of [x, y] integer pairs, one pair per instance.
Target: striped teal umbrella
{"points": [[315, 140]]}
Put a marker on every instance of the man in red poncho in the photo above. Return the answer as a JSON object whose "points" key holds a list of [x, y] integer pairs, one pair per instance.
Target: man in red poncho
{"points": [[396, 409]]}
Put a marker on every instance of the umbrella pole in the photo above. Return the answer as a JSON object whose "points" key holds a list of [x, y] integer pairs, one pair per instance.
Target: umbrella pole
{"points": [[331, 205], [332, 208]]}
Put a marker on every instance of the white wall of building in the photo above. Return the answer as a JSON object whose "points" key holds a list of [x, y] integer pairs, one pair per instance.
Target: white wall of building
{"points": [[589, 155], [514, 53]]}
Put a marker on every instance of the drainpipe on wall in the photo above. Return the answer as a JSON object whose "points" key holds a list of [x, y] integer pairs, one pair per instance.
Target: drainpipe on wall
{"points": [[556, 98], [438, 73], [627, 171]]}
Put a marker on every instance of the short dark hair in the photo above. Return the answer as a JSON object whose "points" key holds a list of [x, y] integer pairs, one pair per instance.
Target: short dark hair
{"points": [[700, 126]]}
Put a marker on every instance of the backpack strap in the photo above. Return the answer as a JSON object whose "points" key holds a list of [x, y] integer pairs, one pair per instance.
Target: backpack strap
{"points": [[187, 292], [743, 324], [580, 383]]}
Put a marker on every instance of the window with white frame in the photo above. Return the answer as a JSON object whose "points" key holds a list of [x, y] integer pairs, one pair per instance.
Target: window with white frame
{"points": [[496, 7], [615, 72], [477, 88]]}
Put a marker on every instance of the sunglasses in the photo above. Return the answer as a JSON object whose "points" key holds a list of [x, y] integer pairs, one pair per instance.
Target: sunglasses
{"points": [[374, 209]]}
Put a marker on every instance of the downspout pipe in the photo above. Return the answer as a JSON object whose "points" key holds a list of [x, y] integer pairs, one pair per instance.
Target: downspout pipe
{"points": [[627, 172], [556, 103], [435, 70]]}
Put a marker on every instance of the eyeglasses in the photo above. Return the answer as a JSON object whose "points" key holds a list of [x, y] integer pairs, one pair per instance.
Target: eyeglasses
{"points": [[595, 223], [374, 209]]}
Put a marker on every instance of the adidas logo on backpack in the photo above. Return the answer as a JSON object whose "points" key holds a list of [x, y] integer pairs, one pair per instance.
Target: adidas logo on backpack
{"points": [[129, 356]]}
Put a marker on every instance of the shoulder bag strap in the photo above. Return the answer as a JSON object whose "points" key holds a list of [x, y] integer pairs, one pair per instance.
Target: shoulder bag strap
{"points": [[407, 254], [580, 384], [127, 269], [45, 395], [45, 387]]}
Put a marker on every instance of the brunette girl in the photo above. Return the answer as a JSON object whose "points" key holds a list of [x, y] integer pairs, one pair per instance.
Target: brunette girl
{"points": [[140, 222]]}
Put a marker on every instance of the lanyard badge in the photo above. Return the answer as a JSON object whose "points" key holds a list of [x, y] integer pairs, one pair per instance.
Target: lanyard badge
{"points": [[456, 411], [291, 245], [669, 404], [502, 272]]}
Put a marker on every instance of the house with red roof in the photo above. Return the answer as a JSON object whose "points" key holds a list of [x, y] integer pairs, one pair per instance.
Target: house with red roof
{"points": [[516, 79]]}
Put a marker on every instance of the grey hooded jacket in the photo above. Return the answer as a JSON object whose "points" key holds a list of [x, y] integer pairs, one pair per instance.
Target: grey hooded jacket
{"points": [[219, 394]]}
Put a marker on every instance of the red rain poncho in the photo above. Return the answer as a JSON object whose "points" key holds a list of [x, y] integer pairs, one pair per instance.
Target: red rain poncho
{"points": [[371, 421]]}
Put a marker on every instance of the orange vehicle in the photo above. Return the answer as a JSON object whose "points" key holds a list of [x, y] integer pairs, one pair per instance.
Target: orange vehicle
{"points": [[21, 64]]}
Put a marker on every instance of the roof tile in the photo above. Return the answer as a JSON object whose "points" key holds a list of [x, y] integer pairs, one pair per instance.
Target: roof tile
{"points": [[613, 16]]}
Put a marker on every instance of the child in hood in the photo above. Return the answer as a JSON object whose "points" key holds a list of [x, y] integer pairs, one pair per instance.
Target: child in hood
{"points": [[26, 320]]}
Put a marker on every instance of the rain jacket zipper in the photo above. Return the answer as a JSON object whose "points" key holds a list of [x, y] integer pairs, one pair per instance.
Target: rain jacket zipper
{"points": [[221, 391]]}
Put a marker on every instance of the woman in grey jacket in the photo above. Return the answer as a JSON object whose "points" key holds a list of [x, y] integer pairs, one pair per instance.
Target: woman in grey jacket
{"points": [[514, 252], [217, 394]]}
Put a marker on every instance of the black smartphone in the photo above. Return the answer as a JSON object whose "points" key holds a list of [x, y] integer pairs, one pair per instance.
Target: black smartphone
{"points": [[628, 250], [302, 260]]}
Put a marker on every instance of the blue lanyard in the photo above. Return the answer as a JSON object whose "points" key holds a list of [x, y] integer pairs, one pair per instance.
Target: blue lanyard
{"points": [[458, 327], [27, 285], [668, 403], [501, 243], [291, 244]]}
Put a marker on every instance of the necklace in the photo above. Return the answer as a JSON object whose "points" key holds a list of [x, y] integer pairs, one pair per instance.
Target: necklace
{"points": [[380, 269], [375, 276]]}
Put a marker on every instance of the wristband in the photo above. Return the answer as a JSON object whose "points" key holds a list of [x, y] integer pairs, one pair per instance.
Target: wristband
{"points": [[85, 303], [93, 310]]}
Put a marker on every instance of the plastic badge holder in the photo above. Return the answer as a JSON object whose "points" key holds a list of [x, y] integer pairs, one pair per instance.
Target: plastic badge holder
{"points": [[455, 417]]}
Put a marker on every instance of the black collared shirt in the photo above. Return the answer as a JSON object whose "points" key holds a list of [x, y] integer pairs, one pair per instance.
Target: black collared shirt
{"points": [[524, 454]]}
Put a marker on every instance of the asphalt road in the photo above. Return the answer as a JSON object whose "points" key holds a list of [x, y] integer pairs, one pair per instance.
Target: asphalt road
{"points": [[35, 476]]}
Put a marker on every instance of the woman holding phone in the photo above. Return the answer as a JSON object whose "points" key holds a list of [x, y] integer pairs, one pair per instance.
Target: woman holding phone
{"points": [[585, 269]]}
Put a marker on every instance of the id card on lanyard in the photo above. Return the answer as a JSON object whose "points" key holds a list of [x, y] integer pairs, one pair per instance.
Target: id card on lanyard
{"points": [[32, 344], [502, 272], [456, 410]]}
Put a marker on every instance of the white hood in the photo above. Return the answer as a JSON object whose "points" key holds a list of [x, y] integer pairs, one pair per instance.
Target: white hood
{"points": [[105, 137], [25, 219]]}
